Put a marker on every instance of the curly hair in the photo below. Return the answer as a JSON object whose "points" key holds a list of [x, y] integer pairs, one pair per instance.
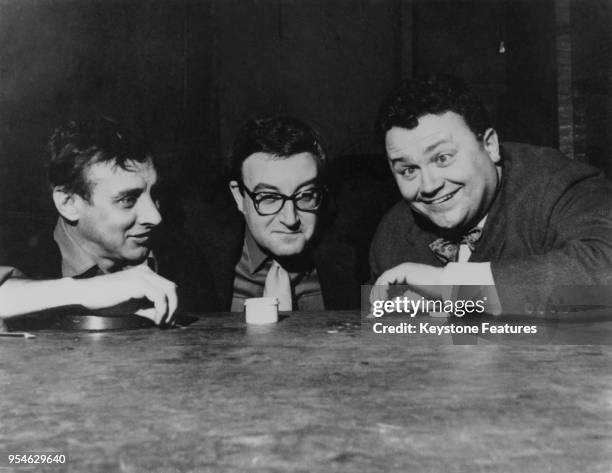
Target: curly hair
{"points": [[431, 94]]}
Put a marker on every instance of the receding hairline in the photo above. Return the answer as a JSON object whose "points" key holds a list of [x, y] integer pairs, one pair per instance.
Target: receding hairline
{"points": [[127, 164]]}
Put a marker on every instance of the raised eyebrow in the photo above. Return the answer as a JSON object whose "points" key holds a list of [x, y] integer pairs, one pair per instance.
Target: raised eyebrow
{"points": [[309, 182], [261, 187], [401, 159], [434, 145], [134, 192]]}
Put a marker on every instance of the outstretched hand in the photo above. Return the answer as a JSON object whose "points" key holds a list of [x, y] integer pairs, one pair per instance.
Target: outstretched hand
{"points": [[138, 284], [424, 279]]}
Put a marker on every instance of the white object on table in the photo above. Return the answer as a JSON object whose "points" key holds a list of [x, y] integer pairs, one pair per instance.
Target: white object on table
{"points": [[261, 310]]}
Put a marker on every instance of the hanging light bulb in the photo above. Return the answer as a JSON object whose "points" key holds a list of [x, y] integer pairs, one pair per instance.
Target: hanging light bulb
{"points": [[502, 47]]}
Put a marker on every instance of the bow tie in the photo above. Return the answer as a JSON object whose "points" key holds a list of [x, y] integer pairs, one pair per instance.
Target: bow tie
{"points": [[448, 251]]}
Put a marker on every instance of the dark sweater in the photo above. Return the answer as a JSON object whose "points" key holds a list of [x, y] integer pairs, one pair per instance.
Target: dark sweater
{"points": [[549, 227]]}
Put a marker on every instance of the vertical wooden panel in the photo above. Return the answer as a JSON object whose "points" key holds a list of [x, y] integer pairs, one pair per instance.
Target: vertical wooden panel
{"points": [[528, 108], [591, 34], [565, 95], [461, 37], [405, 61], [327, 62]]}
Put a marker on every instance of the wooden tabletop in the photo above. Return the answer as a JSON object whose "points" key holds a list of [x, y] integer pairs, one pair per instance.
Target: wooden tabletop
{"points": [[312, 393]]}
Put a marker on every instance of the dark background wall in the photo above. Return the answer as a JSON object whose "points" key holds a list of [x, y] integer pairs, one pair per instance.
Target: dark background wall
{"points": [[189, 72]]}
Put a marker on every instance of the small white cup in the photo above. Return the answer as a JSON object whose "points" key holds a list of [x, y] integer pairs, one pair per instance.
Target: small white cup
{"points": [[261, 310]]}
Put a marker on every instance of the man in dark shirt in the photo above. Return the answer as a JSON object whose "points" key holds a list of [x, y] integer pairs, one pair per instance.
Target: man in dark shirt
{"points": [[276, 245], [107, 248]]}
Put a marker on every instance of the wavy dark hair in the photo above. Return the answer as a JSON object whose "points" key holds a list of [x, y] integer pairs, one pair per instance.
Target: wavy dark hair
{"points": [[280, 137], [431, 94]]}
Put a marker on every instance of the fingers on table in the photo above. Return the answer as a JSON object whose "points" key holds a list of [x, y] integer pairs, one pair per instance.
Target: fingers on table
{"points": [[162, 293]]}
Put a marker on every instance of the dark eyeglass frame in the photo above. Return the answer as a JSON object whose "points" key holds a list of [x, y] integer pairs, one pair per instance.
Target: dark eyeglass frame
{"points": [[293, 198]]}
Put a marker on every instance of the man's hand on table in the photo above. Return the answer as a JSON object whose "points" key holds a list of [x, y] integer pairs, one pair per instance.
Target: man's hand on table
{"points": [[123, 292], [112, 291], [424, 279]]}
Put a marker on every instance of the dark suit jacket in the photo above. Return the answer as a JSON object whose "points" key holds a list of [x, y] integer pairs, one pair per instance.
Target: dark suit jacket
{"points": [[550, 226]]}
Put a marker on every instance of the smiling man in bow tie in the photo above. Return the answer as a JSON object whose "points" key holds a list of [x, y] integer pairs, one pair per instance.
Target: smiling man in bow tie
{"points": [[519, 220]]}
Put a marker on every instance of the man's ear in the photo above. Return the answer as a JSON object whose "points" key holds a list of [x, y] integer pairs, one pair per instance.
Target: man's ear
{"points": [[238, 197], [491, 144], [67, 204]]}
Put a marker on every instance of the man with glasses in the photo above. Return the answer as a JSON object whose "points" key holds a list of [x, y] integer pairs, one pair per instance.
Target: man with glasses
{"points": [[279, 248]]}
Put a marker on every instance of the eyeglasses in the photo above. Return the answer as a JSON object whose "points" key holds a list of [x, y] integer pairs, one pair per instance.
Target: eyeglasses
{"points": [[270, 203]]}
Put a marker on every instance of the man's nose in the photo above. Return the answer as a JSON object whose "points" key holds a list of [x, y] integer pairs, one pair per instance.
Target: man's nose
{"points": [[148, 213], [288, 214], [431, 182]]}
